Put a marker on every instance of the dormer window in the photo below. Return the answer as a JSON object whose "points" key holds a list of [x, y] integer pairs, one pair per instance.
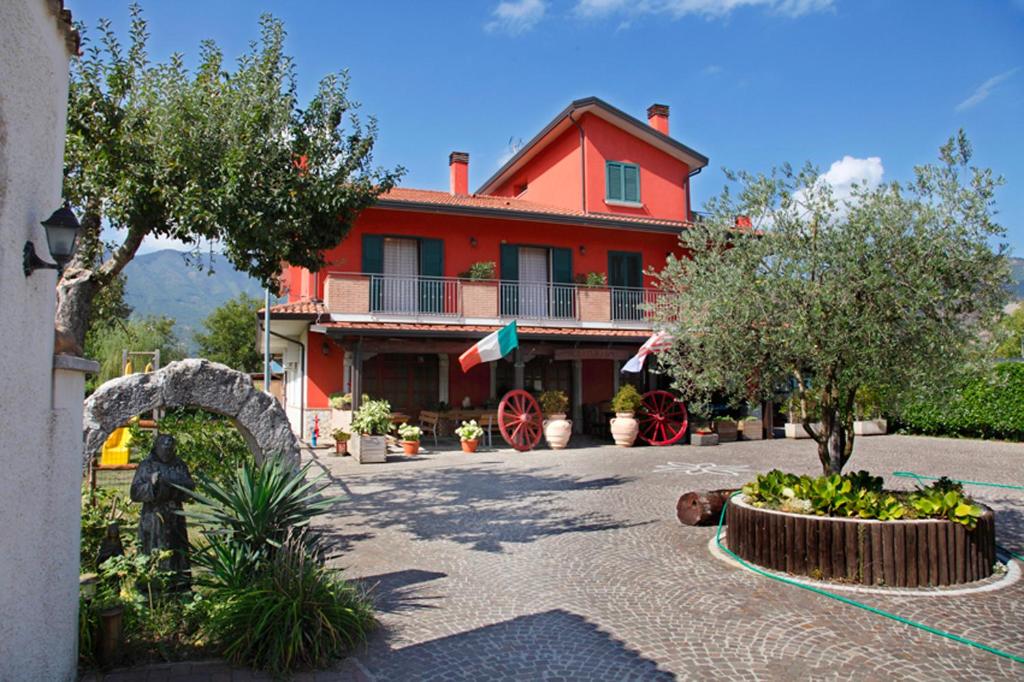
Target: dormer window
{"points": [[622, 184]]}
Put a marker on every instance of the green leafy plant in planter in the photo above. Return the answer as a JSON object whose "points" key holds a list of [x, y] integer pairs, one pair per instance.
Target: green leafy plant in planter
{"points": [[469, 431], [479, 271], [553, 402], [373, 418], [410, 432], [951, 504], [591, 279], [627, 399], [341, 401]]}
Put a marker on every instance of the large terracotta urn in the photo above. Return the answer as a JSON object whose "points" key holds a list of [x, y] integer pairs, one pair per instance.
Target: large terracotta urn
{"points": [[557, 430], [624, 429]]}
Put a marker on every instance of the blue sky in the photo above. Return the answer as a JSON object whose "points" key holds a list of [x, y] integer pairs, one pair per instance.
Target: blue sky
{"points": [[864, 89]]}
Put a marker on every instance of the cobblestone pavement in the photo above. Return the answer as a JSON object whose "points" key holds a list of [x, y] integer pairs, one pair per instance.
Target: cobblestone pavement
{"points": [[570, 565]]}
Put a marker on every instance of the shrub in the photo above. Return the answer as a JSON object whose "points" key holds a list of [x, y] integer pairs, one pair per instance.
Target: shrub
{"points": [[373, 418], [469, 431], [554, 402], [409, 432], [205, 442], [258, 506], [340, 401], [294, 614], [481, 270], [987, 406], [861, 495], [627, 399], [340, 435]]}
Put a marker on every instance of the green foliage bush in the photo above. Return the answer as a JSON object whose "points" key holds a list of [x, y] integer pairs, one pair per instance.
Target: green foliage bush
{"points": [[209, 444], [373, 418], [554, 402], [627, 399], [479, 271], [859, 495], [987, 406]]}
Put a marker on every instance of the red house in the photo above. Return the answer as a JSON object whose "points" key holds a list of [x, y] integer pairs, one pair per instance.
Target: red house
{"points": [[596, 191]]}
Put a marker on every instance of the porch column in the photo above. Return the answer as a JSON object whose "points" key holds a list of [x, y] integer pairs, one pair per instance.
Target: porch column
{"points": [[346, 372], [442, 378], [357, 375], [616, 375], [577, 396], [520, 369]]}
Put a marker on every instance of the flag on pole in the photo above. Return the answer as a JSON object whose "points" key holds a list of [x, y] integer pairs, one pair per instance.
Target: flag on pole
{"points": [[490, 348], [658, 342]]}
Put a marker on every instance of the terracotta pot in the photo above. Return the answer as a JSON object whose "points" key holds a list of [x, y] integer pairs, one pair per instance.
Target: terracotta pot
{"points": [[557, 430], [410, 447], [469, 445], [624, 429], [341, 447]]}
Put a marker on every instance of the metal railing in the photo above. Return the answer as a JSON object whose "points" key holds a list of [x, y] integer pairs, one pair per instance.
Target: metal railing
{"points": [[538, 300], [631, 304], [402, 294]]}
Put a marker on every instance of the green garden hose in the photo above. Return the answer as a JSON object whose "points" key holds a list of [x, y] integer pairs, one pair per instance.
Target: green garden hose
{"points": [[852, 602]]}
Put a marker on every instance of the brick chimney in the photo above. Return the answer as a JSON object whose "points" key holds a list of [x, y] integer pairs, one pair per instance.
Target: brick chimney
{"points": [[458, 164], [657, 117]]}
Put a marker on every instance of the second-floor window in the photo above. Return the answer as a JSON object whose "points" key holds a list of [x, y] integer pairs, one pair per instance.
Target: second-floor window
{"points": [[622, 182], [405, 273]]}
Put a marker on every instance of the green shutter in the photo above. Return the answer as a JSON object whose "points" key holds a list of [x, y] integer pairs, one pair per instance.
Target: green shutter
{"points": [[373, 263], [431, 265], [509, 275], [630, 183], [561, 273], [613, 186]]}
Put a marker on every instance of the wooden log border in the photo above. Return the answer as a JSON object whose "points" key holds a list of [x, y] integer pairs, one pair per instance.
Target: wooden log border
{"points": [[911, 553]]}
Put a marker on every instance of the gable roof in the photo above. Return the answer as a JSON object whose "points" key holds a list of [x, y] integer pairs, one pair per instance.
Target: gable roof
{"points": [[598, 107], [433, 201]]}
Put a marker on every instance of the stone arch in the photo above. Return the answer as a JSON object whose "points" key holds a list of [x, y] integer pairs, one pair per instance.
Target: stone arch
{"points": [[191, 383]]}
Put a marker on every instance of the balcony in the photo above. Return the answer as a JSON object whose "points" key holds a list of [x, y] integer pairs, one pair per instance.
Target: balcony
{"points": [[447, 299]]}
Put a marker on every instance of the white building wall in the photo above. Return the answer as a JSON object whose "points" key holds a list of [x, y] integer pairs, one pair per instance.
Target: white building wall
{"points": [[40, 409]]}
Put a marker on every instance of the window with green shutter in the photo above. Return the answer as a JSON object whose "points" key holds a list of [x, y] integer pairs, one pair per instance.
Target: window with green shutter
{"points": [[622, 182]]}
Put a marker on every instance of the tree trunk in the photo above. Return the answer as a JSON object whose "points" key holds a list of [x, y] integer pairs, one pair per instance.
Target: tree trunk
{"points": [[835, 443], [75, 292]]}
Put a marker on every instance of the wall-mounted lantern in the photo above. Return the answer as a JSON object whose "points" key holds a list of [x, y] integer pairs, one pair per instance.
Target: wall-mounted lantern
{"points": [[583, 249], [472, 242], [61, 237]]}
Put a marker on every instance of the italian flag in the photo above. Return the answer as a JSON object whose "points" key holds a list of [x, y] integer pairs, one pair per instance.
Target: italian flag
{"points": [[490, 348]]}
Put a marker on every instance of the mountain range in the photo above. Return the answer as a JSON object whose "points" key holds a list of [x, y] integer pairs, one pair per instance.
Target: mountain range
{"points": [[164, 283]]}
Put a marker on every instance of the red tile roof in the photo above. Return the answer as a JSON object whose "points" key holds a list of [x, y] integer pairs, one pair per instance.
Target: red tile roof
{"points": [[481, 329], [445, 200], [303, 308]]}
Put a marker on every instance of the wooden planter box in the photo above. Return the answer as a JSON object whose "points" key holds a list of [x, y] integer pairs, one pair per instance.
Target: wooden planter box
{"points": [[727, 431], [870, 427], [912, 553], [751, 429], [368, 449]]}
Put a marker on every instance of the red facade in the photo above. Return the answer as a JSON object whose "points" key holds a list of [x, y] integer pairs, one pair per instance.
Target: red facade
{"points": [[597, 191]]}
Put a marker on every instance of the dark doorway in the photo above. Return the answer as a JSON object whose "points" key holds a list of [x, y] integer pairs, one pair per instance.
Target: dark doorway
{"points": [[409, 382]]}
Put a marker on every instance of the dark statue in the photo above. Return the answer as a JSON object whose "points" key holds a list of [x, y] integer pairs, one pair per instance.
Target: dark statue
{"points": [[161, 524]]}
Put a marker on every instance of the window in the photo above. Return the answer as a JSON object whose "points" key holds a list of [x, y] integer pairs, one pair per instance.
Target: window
{"points": [[623, 182]]}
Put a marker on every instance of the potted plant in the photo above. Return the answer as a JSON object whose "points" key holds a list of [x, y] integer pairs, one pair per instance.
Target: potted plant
{"points": [[340, 437], [794, 426], [752, 428], [341, 410], [591, 279], [557, 429], [480, 271], [726, 428], [867, 407], [624, 427], [410, 435], [469, 434], [370, 426], [703, 434]]}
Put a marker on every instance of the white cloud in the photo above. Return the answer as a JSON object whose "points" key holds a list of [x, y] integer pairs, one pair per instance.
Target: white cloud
{"points": [[985, 89], [516, 16], [850, 171], [709, 9], [711, 70]]}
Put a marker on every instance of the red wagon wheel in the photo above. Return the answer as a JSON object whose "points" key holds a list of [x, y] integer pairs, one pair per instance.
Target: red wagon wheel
{"points": [[519, 419], [662, 418]]}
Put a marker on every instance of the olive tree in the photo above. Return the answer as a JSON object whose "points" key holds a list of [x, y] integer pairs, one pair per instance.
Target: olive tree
{"points": [[890, 288], [210, 154]]}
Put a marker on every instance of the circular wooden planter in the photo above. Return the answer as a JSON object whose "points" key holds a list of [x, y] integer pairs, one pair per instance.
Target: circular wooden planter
{"points": [[912, 553]]}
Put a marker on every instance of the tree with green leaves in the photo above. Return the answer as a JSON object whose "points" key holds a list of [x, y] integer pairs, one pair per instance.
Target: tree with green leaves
{"points": [[891, 288], [229, 335], [106, 343], [214, 154], [1009, 334]]}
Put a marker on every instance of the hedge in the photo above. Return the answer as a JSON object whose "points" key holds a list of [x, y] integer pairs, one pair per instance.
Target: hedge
{"points": [[989, 406]]}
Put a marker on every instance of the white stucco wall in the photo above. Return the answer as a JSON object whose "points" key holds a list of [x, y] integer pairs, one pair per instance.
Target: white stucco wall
{"points": [[40, 410]]}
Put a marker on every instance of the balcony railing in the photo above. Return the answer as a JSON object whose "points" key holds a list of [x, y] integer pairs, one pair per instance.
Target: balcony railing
{"points": [[447, 297]]}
